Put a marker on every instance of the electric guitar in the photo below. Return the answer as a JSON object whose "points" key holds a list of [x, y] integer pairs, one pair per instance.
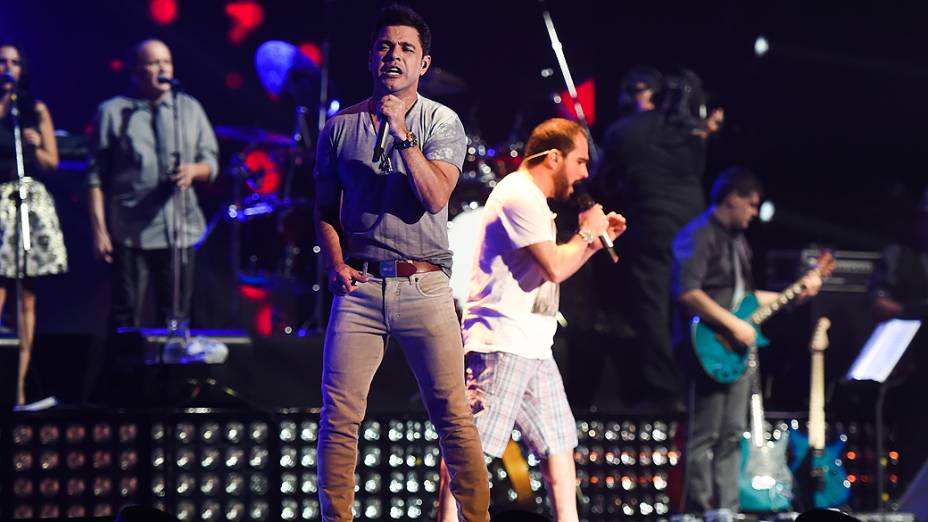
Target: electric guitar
{"points": [[817, 466], [765, 483], [725, 360]]}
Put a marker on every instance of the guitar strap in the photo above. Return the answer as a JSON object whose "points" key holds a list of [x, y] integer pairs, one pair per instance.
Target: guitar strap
{"points": [[738, 294]]}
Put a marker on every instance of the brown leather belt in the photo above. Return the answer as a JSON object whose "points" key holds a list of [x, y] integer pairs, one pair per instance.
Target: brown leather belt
{"points": [[392, 268]]}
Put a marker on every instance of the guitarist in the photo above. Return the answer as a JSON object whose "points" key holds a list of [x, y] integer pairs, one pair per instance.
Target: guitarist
{"points": [[712, 273]]}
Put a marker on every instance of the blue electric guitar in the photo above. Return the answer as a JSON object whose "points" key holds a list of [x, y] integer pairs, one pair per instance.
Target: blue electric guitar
{"points": [[822, 480], [765, 483], [725, 360]]}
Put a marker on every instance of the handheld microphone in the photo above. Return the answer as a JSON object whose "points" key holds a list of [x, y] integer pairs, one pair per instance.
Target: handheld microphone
{"points": [[173, 82], [585, 202], [381, 143], [6, 78]]}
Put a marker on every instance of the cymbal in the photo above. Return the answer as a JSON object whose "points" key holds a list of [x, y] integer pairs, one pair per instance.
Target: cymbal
{"points": [[253, 136], [439, 82]]}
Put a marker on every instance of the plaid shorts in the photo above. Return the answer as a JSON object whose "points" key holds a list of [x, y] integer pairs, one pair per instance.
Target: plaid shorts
{"points": [[506, 391]]}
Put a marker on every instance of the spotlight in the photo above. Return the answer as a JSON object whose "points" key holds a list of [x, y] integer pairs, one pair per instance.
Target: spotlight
{"points": [[311, 509], [288, 431], [258, 432], [235, 484], [235, 458], [48, 460], [371, 431], [258, 458], [308, 457], [234, 431], [102, 432], [209, 433], [308, 484], [334, 107], [766, 212], [761, 46], [288, 485], [288, 457], [48, 434], [22, 435], [235, 511], [22, 461], [258, 484], [75, 433]]}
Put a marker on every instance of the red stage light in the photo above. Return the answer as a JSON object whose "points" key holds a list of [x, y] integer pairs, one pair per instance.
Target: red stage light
{"points": [[260, 161], [246, 16], [586, 93], [234, 80], [312, 51], [163, 12], [263, 320], [253, 293], [116, 65]]}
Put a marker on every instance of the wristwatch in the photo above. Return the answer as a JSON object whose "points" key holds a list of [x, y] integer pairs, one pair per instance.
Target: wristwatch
{"points": [[587, 236], [410, 141]]}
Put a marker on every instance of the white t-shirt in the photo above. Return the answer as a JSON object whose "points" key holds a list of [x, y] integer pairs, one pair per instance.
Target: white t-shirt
{"points": [[511, 307]]}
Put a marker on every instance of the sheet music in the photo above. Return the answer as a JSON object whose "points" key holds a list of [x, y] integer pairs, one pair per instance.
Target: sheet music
{"points": [[883, 350]]}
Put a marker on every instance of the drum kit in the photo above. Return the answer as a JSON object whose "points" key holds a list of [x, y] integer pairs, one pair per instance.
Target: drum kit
{"points": [[270, 235]]}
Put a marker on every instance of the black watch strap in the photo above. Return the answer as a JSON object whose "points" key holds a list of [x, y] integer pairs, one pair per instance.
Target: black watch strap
{"points": [[410, 141]]}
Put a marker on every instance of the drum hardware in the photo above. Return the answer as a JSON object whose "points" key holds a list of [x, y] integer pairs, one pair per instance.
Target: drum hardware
{"points": [[438, 82]]}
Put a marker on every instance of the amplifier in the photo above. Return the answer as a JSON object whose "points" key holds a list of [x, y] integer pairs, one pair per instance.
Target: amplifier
{"points": [[851, 274]]}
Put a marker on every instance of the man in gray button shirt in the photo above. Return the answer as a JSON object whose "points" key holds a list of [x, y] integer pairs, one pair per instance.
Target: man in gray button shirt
{"points": [[390, 276], [132, 179]]}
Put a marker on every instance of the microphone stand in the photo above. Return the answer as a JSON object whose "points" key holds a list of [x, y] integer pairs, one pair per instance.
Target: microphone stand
{"points": [[568, 79], [22, 220], [178, 325]]}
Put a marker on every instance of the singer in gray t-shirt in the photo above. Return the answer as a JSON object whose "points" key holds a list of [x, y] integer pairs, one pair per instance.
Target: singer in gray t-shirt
{"points": [[381, 217], [382, 226]]}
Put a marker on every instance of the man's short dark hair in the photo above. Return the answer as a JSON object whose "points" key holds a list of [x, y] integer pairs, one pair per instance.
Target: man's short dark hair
{"points": [[738, 180], [556, 133], [636, 80], [395, 14]]}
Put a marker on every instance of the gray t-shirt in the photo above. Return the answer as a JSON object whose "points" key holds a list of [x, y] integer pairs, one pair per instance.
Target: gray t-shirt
{"points": [[381, 217], [132, 149]]}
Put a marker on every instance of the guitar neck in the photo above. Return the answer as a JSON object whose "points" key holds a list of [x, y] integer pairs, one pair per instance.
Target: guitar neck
{"points": [[817, 402], [783, 298]]}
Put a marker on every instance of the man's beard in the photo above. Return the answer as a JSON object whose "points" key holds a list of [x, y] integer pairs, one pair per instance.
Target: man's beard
{"points": [[561, 185]]}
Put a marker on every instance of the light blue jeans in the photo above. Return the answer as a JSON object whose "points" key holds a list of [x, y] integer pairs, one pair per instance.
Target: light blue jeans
{"points": [[417, 311]]}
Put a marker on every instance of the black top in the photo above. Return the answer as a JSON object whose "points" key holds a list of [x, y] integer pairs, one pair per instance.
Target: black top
{"points": [[702, 254], [902, 275], [652, 167], [28, 117]]}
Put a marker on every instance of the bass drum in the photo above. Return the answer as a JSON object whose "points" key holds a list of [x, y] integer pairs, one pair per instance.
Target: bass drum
{"points": [[462, 238]]}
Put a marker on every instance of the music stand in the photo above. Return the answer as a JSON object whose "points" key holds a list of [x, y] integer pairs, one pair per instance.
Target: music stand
{"points": [[875, 363]]}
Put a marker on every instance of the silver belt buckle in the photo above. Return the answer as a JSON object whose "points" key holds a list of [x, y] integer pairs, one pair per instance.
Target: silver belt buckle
{"points": [[387, 268]]}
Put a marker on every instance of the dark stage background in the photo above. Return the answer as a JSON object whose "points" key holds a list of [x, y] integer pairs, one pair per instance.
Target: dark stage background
{"points": [[832, 117]]}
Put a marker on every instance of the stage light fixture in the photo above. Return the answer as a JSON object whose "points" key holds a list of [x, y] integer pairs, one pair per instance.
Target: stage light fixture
{"points": [[761, 46], [766, 212]]}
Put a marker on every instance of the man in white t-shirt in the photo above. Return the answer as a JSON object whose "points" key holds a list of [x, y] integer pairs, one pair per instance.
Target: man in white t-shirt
{"points": [[509, 319]]}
